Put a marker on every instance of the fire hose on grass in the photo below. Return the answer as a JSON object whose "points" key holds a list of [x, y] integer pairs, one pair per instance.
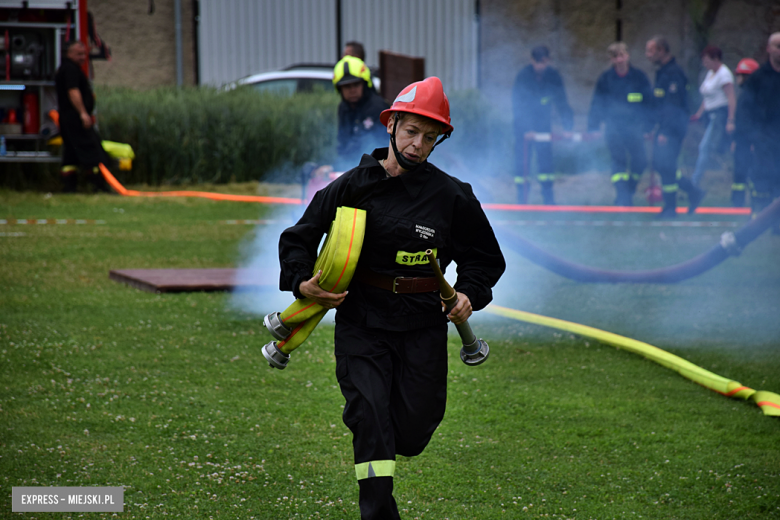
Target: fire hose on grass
{"points": [[345, 241], [117, 186], [731, 244], [769, 402]]}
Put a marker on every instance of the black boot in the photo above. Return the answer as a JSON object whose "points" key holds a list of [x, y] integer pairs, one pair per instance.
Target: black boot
{"points": [[695, 196], [98, 182], [633, 182], [670, 206], [738, 198], [70, 181], [521, 187], [624, 196], [376, 498], [547, 193]]}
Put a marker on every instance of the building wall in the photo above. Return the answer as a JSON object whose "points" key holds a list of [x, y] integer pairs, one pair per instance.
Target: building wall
{"points": [[243, 37], [240, 37], [444, 32], [143, 45]]}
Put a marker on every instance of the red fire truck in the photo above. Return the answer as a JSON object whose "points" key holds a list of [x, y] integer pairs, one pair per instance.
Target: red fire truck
{"points": [[32, 36]]}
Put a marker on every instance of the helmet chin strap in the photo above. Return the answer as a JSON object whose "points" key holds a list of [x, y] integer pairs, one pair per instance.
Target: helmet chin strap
{"points": [[403, 162]]}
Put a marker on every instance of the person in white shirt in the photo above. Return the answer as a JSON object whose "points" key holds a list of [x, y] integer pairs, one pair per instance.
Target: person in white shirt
{"points": [[718, 106]]}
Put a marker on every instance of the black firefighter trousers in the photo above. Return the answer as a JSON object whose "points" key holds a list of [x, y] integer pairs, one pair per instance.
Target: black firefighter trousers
{"points": [[395, 385], [626, 146], [665, 163]]}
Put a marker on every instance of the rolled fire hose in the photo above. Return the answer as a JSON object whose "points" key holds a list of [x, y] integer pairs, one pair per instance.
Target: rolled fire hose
{"points": [[730, 244], [769, 402], [337, 261]]}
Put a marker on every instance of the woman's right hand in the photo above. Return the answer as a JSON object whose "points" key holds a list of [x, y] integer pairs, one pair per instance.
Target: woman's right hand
{"points": [[312, 290]]}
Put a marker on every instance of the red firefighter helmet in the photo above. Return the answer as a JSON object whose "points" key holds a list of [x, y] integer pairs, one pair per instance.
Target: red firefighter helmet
{"points": [[425, 98], [747, 66]]}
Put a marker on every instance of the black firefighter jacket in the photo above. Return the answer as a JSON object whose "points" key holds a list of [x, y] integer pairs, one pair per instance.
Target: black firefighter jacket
{"points": [[360, 128], [533, 98], [671, 100], [624, 103], [760, 118], [405, 215]]}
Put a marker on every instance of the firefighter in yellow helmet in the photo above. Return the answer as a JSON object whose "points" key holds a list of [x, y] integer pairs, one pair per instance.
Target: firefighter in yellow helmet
{"points": [[359, 127], [391, 333]]}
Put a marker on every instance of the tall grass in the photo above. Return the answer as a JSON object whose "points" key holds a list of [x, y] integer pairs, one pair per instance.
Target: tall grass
{"points": [[204, 135]]}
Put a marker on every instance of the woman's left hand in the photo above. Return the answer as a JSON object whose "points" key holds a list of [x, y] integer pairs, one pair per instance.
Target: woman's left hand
{"points": [[730, 127]]}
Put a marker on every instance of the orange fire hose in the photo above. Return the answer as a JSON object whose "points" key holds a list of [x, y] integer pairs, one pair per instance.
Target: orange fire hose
{"points": [[111, 180], [494, 206]]}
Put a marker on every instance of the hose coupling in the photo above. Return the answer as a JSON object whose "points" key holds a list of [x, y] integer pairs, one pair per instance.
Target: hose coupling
{"points": [[728, 241], [475, 353], [273, 322], [275, 357]]}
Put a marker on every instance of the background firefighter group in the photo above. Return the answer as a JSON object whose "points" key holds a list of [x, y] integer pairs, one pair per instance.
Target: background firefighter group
{"points": [[632, 111]]}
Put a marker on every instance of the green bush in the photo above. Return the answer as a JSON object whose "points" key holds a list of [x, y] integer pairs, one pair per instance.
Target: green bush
{"points": [[202, 135], [191, 135], [187, 136]]}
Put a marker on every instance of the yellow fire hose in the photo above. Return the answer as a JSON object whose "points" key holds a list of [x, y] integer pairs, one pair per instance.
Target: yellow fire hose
{"points": [[769, 402], [337, 260]]}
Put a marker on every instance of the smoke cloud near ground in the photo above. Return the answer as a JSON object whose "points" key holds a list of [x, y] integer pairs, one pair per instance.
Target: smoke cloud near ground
{"points": [[259, 251], [735, 305]]}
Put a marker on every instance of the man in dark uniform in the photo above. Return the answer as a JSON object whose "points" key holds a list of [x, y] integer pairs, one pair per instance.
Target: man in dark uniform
{"points": [[391, 334], [80, 143], [622, 100], [741, 146], [762, 118], [359, 126], [537, 88], [671, 115]]}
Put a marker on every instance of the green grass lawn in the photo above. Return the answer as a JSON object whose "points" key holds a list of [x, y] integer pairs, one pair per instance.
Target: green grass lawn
{"points": [[169, 396]]}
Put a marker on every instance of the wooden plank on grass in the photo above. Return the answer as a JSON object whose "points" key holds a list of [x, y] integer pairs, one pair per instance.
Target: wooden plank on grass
{"points": [[191, 280]]}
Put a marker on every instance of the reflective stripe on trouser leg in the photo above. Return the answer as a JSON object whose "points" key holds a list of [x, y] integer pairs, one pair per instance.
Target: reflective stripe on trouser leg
{"points": [[738, 187], [519, 180], [68, 169], [375, 468], [621, 176], [670, 188], [545, 177]]}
